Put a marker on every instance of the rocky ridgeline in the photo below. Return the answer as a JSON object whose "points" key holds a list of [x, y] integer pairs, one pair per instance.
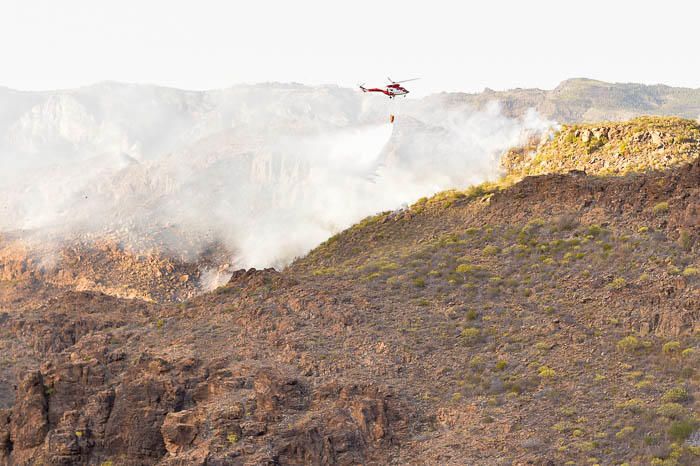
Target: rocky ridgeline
{"points": [[642, 144]]}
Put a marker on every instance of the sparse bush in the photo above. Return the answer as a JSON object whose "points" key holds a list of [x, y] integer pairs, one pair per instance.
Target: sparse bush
{"points": [[671, 410], [476, 362], [628, 344], [419, 282], [660, 208], [466, 268], [691, 272], [624, 432], [232, 438], [675, 395], [501, 365], [617, 283], [634, 405], [671, 347], [594, 230], [685, 240], [644, 384], [470, 335], [542, 346], [491, 250], [546, 372], [681, 430]]}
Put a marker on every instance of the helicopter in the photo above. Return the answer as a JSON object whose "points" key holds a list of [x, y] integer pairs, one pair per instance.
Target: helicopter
{"points": [[393, 89]]}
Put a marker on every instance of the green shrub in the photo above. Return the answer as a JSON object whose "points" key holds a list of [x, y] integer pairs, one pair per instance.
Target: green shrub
{"points": [[419, 282], [628, 344], [466, 268], [675, 395], [546, 372], [634, 405], [594, 230], [617, 283], [624, 432], [470, 335], [476, 362], [501, 365], [691, 272], [681, 430], [671, 347], [671, 410], [644, 384], [685, 240], [542, 346], [660, 208]]}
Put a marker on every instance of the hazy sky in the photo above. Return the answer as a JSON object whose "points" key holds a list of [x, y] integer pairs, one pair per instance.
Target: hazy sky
{"points": [[456, 45]]}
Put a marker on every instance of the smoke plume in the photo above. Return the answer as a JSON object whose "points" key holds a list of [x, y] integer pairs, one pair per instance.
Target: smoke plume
{"points": [[269, 171]]}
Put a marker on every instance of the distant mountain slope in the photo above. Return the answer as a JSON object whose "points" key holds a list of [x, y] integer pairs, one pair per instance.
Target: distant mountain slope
{"points": [[587, 100]]}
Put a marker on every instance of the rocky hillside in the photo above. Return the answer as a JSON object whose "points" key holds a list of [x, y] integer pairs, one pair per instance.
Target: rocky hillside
{"points": [[554, 321], [642, 144]]}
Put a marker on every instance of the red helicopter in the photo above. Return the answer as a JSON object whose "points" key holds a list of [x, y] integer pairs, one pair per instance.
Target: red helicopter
{"points": [[392, 90]]}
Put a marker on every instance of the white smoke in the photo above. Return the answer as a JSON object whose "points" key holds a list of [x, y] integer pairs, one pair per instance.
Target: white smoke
{"points": [[268, 171]]}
